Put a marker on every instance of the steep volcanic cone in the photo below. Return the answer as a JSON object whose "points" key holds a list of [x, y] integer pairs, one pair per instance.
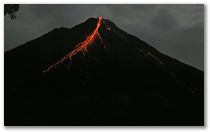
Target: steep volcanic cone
{"points": [[121, 80], [81, 47]]}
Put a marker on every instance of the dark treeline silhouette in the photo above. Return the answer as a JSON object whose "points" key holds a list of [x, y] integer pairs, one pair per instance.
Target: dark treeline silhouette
{"points": [[11, 9]]}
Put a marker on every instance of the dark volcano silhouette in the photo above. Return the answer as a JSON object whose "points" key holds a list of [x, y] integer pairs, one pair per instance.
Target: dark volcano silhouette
{"points": [[126, 82]]}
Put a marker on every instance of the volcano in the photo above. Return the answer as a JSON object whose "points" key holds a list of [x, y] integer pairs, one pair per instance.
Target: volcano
{"points": [[97, 74]]}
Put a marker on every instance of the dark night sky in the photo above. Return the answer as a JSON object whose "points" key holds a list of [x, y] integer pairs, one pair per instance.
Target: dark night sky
{"points": [[176, 30]]}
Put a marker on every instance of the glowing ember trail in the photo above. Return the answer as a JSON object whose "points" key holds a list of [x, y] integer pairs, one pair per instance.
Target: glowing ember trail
{"points": [[81, 47]]}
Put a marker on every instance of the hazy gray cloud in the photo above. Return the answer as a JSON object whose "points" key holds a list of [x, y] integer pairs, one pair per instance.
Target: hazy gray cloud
{"points": [[176, 30], [164, 20]]}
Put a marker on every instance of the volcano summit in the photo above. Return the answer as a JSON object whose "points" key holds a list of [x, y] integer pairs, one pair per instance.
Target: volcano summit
{"points": [[97, 74]]}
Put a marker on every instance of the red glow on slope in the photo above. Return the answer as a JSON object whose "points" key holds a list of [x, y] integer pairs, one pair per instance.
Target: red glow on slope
{"points": [[81, 47]]}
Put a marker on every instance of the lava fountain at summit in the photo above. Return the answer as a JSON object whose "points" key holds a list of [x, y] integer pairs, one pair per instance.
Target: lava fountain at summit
{"points": [[81, 47]]}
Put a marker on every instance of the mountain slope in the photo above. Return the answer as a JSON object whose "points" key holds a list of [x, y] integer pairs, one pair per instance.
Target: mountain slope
{"points": [[120, 80]]}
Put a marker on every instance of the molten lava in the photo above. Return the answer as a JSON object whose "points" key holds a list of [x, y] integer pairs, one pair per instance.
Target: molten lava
{"points": [[81, 47]]}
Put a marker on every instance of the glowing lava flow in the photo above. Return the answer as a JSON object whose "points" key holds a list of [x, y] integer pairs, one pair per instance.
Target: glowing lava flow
{"points": [[81, 47]]}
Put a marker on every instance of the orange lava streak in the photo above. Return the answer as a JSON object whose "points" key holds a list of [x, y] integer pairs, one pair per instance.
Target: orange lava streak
{"points": [[81, 47]]}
